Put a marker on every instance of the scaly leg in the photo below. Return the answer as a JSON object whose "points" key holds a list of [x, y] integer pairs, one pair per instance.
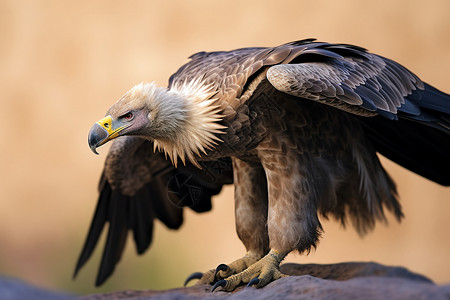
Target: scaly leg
{"points": [[258, 274], [292, 220], [223, 270]]}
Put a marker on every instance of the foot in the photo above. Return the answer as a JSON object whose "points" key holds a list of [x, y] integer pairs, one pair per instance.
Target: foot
{"points": [[223, 271], [258, 274]]}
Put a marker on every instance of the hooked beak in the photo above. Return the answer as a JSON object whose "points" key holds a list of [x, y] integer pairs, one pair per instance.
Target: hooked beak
{"points": [[102, 132]]}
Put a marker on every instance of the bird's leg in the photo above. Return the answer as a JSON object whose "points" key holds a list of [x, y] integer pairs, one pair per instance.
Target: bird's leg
{"points": [[251, 215], [292, 220], [251, 220]]}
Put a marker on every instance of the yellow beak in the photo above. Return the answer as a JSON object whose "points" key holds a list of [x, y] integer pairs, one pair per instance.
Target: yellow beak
{"points": [[102, 132]]}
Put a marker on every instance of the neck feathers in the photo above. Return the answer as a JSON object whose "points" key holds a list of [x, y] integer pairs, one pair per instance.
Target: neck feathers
{"points": [[188, 117]]}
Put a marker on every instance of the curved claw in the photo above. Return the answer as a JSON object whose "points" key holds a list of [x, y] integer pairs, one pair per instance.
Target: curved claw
{"points": [[254, 281], [221, 283], [221, 267], [196, 275]]}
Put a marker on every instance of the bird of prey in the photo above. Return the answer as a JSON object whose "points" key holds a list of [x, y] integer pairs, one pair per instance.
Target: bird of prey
{"points": [[295, 127]]}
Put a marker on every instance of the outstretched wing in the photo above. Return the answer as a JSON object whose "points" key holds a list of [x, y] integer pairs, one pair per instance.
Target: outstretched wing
{"points": [[369, 85], [359, 80], [348, 78], [139, 186]]}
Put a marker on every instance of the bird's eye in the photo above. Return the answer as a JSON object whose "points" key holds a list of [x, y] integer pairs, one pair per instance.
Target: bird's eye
{"points": [[128, 116]]}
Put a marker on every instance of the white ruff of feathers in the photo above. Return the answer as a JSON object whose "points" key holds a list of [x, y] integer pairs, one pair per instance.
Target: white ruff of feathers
{"points": [[196, 133]]}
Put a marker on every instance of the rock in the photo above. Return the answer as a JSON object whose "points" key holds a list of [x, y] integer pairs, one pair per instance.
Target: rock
{"points": [[334, 281], [311, 281], [13, 289], [346, 271]]}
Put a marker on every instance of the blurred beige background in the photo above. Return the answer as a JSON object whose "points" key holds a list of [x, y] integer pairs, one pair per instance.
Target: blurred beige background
{"points": [[62, 63]]}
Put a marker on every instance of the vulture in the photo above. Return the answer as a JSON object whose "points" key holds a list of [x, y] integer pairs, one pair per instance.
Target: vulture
{"points": [[296, 128]]}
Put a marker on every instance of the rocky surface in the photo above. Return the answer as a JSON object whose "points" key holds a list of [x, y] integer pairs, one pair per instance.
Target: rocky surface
{"points": [[336, 281], [13, 289]]}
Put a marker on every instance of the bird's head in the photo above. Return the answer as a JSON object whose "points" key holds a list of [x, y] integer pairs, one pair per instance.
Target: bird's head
{"points": [[182, 122]]}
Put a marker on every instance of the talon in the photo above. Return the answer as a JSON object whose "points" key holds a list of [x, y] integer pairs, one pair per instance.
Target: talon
{"points": [[254, 281], [221, 267], [196, 275], [221, 283]]}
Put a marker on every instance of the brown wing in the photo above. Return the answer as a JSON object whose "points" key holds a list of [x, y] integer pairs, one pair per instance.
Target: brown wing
{"points": [[139, 186], [231, 72], [348, 78], [368, 85], [373, 83], [345, 76]]}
